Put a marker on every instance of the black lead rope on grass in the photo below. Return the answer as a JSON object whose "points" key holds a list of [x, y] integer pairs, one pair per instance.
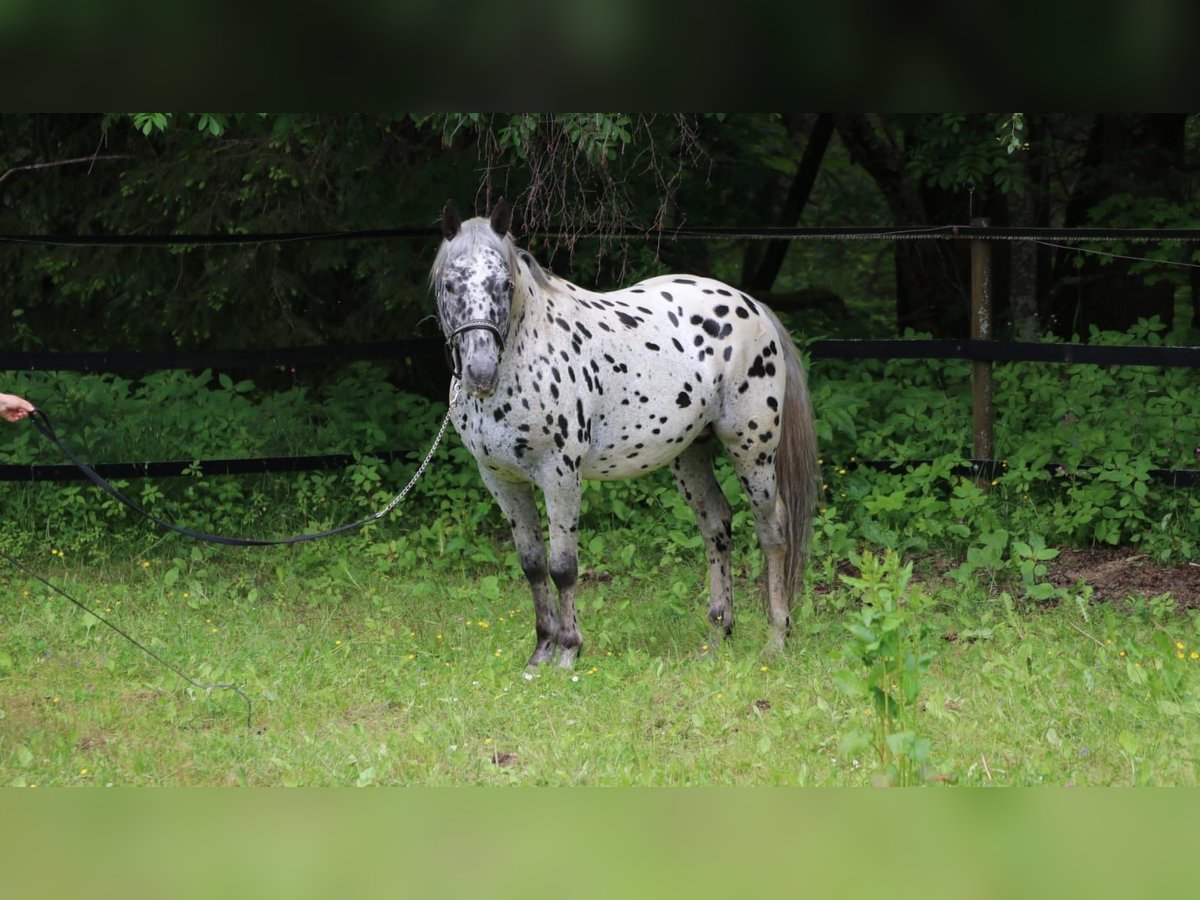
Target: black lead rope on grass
{"points": [[42, 423], [196, 684]]}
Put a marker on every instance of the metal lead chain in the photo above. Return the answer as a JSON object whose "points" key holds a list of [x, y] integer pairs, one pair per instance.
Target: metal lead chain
{"points": [[457, 392]]}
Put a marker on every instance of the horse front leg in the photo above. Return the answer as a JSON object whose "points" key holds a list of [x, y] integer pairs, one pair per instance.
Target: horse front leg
{"points": [[562, 509], [517, 502]]}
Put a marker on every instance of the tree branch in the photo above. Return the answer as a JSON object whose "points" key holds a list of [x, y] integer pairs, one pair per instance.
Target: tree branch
{"points": [[61, 162]]}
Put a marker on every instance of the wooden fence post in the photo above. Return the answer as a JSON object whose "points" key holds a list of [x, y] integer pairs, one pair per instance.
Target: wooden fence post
{"points": [[982, 414]]}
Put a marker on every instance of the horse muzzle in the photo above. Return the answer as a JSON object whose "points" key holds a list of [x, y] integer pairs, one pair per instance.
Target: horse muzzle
{"points": [[477, 367]]}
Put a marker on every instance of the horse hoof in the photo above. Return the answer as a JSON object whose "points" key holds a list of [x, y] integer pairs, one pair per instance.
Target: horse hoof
{"points": [[566, 657], [774, 644], [542, 655], [718, 635], [722, 620]]}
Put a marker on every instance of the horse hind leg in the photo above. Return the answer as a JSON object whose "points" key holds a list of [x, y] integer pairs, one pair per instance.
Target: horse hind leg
{"points": [[697, 483], [756, 471]]}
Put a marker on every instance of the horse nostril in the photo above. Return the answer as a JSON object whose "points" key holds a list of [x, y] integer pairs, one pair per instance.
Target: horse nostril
{"points": [[482, 376]]}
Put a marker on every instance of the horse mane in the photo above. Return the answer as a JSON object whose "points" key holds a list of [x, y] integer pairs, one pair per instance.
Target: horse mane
{"points": [[476, 234]]}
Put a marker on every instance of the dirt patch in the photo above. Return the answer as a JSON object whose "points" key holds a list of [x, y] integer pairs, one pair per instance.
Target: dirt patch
{"points": [[92, 742], [1117, 573]]}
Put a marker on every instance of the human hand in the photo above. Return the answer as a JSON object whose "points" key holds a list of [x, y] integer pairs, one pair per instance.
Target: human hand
{"points": [[14, 408]]}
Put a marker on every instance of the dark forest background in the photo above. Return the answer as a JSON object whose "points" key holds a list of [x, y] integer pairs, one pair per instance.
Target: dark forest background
{"points": [[587, 177]]}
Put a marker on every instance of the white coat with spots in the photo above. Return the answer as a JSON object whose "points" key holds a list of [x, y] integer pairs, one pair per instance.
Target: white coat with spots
{"points": [[560, 383]]}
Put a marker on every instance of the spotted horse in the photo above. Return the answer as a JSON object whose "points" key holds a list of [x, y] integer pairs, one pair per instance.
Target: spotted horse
{"points": [[559, 383]]}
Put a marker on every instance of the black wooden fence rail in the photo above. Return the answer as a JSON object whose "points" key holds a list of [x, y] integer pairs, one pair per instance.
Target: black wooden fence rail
{"points": [[980, 349], [421, 348]]}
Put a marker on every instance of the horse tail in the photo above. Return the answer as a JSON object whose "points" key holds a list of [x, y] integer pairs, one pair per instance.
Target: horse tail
{"points": [[797, 469]]}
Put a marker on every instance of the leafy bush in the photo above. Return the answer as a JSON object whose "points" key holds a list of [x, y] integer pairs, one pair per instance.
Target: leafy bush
{"points": [[1079, 444], [181, 416]]}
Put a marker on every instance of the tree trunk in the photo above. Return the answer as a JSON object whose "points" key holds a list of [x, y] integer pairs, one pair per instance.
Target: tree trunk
{"points": [[1028, 211], [762, 276], [1126, 154], [932, 276]]}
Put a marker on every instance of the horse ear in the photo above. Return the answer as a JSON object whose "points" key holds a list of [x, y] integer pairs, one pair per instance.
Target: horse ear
{"points": [[501, 218], [451, 221]]}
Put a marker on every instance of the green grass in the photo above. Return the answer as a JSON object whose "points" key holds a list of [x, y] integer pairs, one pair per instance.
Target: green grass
{"points": [[360, 676]]}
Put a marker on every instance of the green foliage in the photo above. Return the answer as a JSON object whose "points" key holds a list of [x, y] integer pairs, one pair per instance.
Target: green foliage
{"points": [[1078, 468], [1078, 445], [953, 151], [159, 173], [1127, 209], [888, 659], [180, 416], [1010, 133]]}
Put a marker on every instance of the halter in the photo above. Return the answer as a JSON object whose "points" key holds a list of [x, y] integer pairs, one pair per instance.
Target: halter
{"points": [[453, 358]]}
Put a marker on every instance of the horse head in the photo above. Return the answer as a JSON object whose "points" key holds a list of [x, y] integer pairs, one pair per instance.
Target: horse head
{"points": [[474, 288]]}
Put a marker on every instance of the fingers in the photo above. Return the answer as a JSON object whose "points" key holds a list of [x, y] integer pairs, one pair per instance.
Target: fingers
{"points": [[14, 408]]}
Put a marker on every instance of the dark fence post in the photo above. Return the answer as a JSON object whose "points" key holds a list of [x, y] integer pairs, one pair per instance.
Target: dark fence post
{"points": [[982, 414]]}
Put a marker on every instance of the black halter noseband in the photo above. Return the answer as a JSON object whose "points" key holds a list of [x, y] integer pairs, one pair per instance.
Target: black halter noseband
{"points": [[453, 360]]}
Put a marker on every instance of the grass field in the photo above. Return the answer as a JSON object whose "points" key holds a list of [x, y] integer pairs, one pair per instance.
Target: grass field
{"points": [[359, 676]]}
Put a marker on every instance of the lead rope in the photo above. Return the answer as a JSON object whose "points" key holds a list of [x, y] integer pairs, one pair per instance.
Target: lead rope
{"points": [[196, 684], [49, 432], [42, 423]]}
